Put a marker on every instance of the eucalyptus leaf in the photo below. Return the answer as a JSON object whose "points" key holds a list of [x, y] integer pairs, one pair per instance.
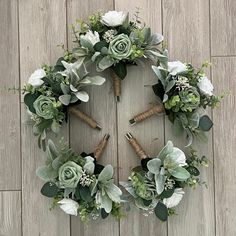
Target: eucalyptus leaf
{"points": [[104, 214], [49, 189], [205, 123], [161, 211], [85, 193], [29, 100]]}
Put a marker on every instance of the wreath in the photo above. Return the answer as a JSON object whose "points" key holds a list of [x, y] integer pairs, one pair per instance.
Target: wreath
{"points": [[76, 182]]}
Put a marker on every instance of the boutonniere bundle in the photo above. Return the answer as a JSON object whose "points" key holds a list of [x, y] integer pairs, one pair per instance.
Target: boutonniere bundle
{"points": [[158, 184], [113, 41], [53, 91], [185, 93], [78, 184]]}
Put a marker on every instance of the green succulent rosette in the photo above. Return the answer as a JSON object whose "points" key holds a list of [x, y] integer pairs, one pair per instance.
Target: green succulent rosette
{"points": [[51, 90], [158, 184], [186, 93], [79, 185]]}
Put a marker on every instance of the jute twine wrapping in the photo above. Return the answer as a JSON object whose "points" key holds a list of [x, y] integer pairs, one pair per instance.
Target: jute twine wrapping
{"points": [[116, 85], [101, 146], [148, 113], [136, 146], [87, 119]]}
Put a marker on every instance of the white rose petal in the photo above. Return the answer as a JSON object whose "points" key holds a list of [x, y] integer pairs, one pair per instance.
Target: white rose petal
{"points": [[93, 37], [69, 206], [175, 199], [176, 67], [35, 78], [113, 18], [205, 86]]}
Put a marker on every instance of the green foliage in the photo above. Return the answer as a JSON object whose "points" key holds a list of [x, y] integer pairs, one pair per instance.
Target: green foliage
{"points": [[50, 189], [161, 211]]}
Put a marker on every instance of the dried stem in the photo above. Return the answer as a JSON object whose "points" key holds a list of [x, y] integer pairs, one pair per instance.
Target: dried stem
{"points": [[101, 146], [136, 146], [157, 109], [86, 118]]}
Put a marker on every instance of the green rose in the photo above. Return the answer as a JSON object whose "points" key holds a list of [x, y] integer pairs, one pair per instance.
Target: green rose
{"points": [[44, 107], [120, 47], [70, 174]]}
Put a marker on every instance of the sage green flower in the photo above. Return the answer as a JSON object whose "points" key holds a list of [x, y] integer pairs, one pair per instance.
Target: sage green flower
{"points": [[44, 107], [120, 47], [70, 174]]}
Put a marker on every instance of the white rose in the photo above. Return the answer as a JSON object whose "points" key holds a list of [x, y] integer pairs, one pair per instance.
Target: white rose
{"points": [[69, 206], [93, 37], [113, 18], [35, 78], [176, 67], [205, 86], [175, 199]]}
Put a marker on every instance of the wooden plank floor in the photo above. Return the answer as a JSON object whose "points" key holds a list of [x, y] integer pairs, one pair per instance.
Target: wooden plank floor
{"points": [[195, 31]]}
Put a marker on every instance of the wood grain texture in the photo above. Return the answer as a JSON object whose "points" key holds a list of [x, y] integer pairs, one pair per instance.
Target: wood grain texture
{"points": [[10, 115], [10, 217], [135, 98], [186, 28], [45, 22], [223, 74], [103, 108], [223, 27]]}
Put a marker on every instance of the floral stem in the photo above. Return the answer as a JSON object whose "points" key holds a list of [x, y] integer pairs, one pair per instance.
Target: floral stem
{"points": [[101, 146], [157, 109], [86, 118], [136, 146], [116, 86]]}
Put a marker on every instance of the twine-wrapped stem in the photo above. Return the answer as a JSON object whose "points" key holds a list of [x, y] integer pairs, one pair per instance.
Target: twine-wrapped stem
{"points": [[136, 146], [157, 109], [116, 86], [86, 118], [101, 146]]}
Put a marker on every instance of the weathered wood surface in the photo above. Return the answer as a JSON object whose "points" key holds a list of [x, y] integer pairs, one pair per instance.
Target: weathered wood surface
{"points": [[195, 31]]}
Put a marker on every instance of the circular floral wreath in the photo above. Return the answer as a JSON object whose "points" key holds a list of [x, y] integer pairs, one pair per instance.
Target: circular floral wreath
{"points": [[78, 184]]}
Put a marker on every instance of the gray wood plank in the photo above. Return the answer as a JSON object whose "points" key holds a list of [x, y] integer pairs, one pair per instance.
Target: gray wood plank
{"points": [[10, 209], [223, 74], [42, 28], [9, 100], [186, 27], [134, 99], [223, 27], [103, 108]]}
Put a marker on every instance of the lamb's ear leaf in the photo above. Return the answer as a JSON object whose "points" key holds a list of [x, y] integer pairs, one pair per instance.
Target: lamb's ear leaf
{"points": [[49, 189], [161, 211]]}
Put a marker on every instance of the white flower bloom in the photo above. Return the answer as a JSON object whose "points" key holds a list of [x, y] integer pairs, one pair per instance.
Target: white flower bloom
{"points": [[175, 199], [93, 37], [205, 86], [113, 18], [69, 206], [35, 78], [176, 67]]}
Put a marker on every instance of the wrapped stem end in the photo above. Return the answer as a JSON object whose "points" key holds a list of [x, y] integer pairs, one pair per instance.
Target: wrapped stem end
{"points": [[136, 146], [116, 86], [86, 118], [157, 109], [101, 146]]}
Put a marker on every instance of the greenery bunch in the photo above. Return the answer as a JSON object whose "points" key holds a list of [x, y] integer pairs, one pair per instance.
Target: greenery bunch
{"points": [[78, 184], [186, 93], [111, 40], [157, 185], [52, 89]]}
